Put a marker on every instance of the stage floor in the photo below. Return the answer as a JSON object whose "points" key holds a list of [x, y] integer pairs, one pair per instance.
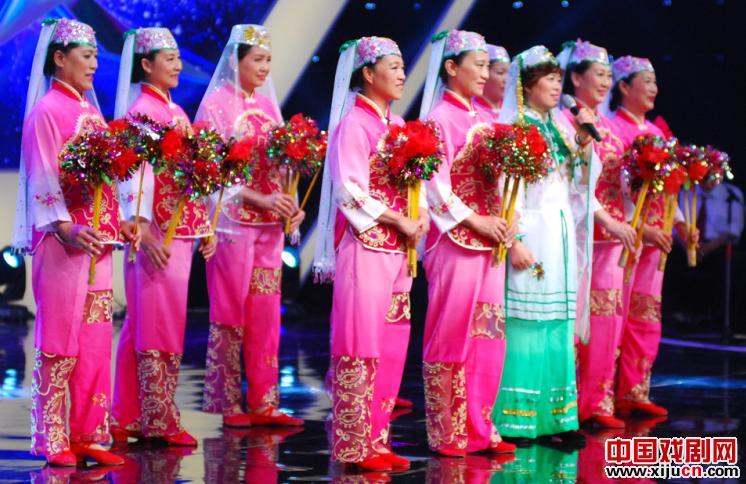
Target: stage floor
{"points": [[704, 389]]}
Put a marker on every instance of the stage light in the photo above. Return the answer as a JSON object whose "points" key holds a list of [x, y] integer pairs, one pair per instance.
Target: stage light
{"points": [[290, 257], [12, 286], [315, 59], [13, 260], [370, 6], [667, 3], [517, 5], [565, 3]]}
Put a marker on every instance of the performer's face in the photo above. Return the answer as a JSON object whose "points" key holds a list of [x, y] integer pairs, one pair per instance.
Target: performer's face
{"points": [[254, 68], [592, 86], [470, 76], [494, 88], [638, 95], [77, 66], [163, 71], [545, 93], [386, 78]]}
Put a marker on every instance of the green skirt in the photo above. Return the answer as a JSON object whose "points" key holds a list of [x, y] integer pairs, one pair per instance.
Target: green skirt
{"points": [[538, 394]]}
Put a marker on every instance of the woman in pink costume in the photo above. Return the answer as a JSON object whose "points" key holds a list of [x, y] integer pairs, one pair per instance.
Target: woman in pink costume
{"points": [[494, 89], [152, 339], [54, 223], [587, 77], [464, 344], [633, 95], [243, 278], [364, 234]]}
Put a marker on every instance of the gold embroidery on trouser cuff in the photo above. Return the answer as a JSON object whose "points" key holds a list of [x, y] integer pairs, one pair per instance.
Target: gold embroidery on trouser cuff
{"points": [[49, 402], [271, 397], [641, 391], [99, 307], [445, 404], [222, 392], [158, 373], [606, 302], [488, 321], [265, 281], [645, 307], [352, 388], [399, 312]]}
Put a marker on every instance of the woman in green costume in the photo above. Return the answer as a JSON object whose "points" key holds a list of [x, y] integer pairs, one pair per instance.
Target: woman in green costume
{"points": [[549, 271]]}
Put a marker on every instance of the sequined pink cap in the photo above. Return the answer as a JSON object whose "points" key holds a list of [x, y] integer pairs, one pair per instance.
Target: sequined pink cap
{"points": [[628, 65], [458, 41], [151, 39], [498, 54], [369, 49], [583, 50], [72, 32]]}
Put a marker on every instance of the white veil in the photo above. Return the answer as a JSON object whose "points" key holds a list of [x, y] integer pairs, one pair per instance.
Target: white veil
{"points": [[434, 87], [342, 100], [37, 87]]}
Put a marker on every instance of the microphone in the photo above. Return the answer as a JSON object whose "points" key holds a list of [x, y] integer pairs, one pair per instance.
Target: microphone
{"points": [[569, 102]]}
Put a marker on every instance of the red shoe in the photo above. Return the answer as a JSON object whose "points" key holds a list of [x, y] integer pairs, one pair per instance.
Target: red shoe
{"points": [[395, 460], [375, 464], [240, 420], [403, 403], [607, 421], [103, 457], [280, 420], [450, 452], [502, 448], [121, 435], [183, 438], [626, 407], [62, 459]]}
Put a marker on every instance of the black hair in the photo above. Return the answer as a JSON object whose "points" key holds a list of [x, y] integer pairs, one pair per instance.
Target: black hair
{"points": [[243, 51], [578, 68], [49, 66], [458, 59], [616, 93], [531, 75], [138, 74]]}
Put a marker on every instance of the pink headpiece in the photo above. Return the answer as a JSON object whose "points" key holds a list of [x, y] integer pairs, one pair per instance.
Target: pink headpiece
{"points": [[369, 49], [458, 41], [498, 54], [628, 65], [151, 39], [583, 50], [72, 32]]}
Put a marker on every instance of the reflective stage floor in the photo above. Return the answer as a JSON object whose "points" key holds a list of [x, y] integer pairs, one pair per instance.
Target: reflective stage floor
{"points": [[703, 388]]}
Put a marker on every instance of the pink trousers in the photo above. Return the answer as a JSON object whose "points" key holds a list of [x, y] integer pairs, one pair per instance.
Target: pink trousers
{"points": [[244, 284], [370, 334], [642, 328], [152, 342], [597, 360], [73, 348], [464, 346]]}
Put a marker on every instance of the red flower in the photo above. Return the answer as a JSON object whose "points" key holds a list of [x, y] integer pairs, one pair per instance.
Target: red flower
{"points": [[674, 180], [201, 125], [697, 171], [502, 131], [123, 163], [171, 144], [297, 150], [421, 140], [241, 150], [537, 145], [118, 125]]}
